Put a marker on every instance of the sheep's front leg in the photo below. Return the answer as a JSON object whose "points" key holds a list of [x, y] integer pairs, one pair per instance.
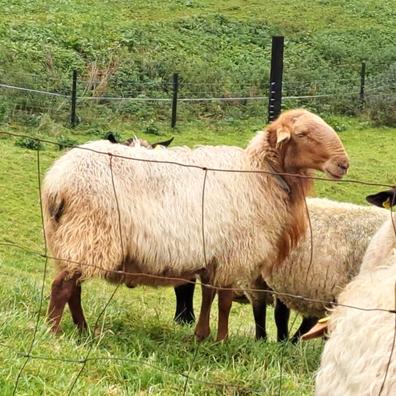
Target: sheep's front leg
{"points": [[260, 317], [306, 325], [225, 302], [282, 314], [202, 330], [184, 303]]}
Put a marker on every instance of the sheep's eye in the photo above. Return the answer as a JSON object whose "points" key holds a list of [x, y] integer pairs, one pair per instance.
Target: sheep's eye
{"points": [[301, 135]]}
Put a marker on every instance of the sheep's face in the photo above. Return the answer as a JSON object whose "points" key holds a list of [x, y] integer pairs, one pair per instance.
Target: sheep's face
{"points": [[309, 143], [137, 142], [383, 199]]}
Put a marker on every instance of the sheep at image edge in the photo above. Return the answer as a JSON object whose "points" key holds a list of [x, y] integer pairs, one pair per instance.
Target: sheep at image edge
{"points": [[252, 219], [356, 356], [341, 232]]}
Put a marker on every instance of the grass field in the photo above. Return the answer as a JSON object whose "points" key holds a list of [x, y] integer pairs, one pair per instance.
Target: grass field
{"points": [[139, 350], [220, 48]]}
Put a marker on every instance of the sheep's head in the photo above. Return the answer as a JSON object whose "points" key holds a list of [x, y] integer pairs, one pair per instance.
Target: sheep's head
{"points": [[383, 199], [138, 142], [308, 142]]}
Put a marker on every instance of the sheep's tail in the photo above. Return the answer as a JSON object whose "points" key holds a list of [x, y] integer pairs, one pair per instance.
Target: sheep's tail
{"points": [[55, 206], [82, 238]]}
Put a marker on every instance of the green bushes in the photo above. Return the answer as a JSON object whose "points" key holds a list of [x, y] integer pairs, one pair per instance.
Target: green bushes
{"points": [[219, 52]]}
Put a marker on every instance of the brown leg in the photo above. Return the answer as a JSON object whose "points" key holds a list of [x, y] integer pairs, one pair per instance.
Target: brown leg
{"points": [[61, 292], [202, 329], [76, 308], [225, 302]]}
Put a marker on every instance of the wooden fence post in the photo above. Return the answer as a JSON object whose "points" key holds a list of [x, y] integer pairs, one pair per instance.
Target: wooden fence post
{"points": [[275, 83], [174, 98], [362, 85], [73, 115]]}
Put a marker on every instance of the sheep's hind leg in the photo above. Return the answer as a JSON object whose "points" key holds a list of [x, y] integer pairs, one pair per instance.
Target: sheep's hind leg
{"points": [[76, 308], [62, 291], [225, 303], [202, 329]]}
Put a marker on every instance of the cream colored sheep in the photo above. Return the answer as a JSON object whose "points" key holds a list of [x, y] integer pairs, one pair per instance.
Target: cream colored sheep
{"points": [[358, 358], [251, 220], [341, 233]]}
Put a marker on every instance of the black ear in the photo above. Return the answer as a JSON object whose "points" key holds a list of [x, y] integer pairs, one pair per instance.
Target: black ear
{"points": [[383, 199], [165, 143], [110, 137]]}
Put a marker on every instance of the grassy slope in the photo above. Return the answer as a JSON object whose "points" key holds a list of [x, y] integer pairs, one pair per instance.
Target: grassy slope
{"points": [[153, 39], [137, 324]]}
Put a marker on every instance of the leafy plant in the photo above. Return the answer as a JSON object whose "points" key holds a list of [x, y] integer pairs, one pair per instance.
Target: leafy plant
{"points": [[29, 143], [65, 142]]}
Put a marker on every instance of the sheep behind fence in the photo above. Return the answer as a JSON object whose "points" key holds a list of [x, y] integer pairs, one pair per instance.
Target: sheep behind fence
{"points": [[109, 213]]}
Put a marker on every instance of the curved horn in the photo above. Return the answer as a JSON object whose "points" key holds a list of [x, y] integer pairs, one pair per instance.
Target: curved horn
{"points": [[165, 143], [110, 137]]}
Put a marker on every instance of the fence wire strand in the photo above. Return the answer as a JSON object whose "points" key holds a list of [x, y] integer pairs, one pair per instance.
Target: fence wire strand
{"points": [[28, 355], [43, 279]]}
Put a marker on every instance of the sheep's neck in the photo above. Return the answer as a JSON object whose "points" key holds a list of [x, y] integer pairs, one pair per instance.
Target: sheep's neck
{"points": [[268, 156]]}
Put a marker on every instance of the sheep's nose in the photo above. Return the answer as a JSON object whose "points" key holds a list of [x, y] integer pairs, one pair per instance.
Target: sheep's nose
{"points": [[344, 165]]}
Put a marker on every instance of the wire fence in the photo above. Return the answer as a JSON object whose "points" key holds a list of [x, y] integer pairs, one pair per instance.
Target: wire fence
{"points": [[123, 273], [110, 98]]}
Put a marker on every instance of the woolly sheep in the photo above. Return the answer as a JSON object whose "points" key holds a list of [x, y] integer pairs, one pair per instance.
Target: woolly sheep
{"points": [[252, 219], [341, 233], [356, 356]]}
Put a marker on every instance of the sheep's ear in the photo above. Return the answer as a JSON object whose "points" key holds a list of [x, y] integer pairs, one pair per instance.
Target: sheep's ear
{"points": [[110, 137], [282, 135], [165, 143], [383, 199], [318, 330]]}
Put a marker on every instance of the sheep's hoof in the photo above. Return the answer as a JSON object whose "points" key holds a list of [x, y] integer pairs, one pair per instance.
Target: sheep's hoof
{"points": [[222, 338], [184, 319], [57, 331], [200, 336]]}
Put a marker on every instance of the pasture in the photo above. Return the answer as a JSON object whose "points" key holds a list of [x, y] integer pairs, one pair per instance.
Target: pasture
{"points": [[136, 348]]}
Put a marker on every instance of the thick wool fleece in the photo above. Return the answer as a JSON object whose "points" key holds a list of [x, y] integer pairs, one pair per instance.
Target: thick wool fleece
{"points": [[341, 233]]}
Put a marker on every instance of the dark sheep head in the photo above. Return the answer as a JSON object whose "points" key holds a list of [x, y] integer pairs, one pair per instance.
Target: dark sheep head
{"points": [[383, 199], [135, 141]]}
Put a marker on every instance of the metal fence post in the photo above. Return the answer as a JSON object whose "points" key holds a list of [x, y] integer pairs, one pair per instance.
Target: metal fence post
{"points": [[73, 115], [174, 98], [362, 84], [275, 83]]}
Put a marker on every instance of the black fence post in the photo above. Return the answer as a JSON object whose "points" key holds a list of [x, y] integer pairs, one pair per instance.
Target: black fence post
{"points": [[174, 98], [73, 115], [275, 83], [362, 84]]}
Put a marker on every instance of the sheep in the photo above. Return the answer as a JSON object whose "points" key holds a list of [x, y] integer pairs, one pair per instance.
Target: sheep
{"points": [[107, 215], [341, 232], [358, 357]]}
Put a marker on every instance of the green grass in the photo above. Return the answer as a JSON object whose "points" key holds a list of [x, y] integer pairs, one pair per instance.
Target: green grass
{"points": [[137, 326]]}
